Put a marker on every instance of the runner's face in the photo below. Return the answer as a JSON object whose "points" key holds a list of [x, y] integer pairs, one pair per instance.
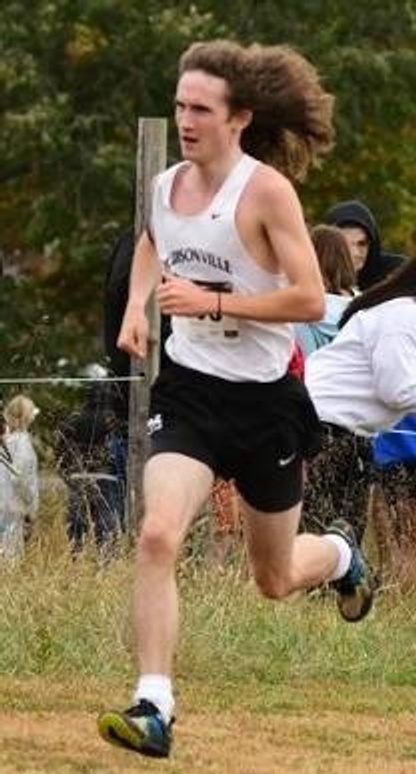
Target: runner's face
{"points": [[358, 243], [206, 129]]}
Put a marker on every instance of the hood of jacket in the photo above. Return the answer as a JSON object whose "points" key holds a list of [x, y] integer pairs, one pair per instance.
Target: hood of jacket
{"points": [[379, 263]]}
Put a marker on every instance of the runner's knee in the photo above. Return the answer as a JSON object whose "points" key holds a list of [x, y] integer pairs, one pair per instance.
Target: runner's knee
{"points": [[272, 585], [158, 541]]}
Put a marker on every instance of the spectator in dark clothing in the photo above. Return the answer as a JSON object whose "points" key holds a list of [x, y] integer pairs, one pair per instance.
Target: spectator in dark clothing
{"points": [[371, 261], [87, 460], [116, 294], [115, 300]]}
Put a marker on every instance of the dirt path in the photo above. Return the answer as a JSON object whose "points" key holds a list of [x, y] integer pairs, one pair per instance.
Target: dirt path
{"points": [[229, 742], [48, 727]]}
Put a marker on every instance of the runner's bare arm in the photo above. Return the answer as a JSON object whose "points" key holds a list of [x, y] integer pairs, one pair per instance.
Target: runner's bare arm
{"points": [[145, 272], [145, 275], [280, 212]]}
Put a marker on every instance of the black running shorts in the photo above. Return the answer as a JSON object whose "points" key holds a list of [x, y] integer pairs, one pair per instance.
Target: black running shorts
{"points": [[257, 433]]}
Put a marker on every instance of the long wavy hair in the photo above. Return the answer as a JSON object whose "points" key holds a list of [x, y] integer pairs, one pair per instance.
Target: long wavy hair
{"points": [[292, 125], [334, 259], [400, 284]]}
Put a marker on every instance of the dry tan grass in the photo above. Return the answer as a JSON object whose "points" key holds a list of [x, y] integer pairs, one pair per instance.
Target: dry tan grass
{"points": [[325, 734], [257, 683]]}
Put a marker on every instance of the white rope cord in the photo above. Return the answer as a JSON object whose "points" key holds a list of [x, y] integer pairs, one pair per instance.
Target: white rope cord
{"points": [[70, 379]]}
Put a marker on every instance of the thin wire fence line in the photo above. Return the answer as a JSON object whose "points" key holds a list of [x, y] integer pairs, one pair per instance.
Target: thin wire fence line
{"points": [[71, 379]]}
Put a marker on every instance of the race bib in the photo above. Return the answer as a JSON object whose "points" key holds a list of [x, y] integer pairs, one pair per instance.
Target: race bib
{"points": [[213, 327]]}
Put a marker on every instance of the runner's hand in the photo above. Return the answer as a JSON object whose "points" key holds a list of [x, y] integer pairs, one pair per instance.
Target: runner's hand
{"points": [[182, 297], [134, 334]]}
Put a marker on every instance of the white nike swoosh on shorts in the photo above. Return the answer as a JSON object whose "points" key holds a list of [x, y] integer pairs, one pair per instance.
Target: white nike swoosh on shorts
{"points": [[284, 461]]}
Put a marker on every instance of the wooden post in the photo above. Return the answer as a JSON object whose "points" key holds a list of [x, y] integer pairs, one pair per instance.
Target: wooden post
{"points": [[151, 159]]}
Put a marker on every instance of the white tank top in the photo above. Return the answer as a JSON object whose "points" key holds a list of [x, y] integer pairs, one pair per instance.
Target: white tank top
{"points": [[206, 248]]}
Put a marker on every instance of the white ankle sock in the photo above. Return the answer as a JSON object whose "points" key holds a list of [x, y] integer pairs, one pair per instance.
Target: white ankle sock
{"points": [[158, 690], [345, 555]]}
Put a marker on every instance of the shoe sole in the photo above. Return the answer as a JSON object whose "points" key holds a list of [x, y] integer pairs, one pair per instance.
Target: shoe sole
{"points": [[116, 729], [354, 607]]}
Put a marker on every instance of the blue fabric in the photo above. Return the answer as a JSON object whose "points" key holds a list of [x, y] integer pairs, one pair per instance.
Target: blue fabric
{"points": [[313, 335], [390, 447]]}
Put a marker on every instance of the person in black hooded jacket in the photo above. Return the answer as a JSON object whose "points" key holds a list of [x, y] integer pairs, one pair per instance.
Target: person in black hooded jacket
{"points": [[371, 261], [116, 293]]}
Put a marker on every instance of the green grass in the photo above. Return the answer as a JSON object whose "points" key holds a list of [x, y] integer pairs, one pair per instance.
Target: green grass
{"points": [[63, 617], [233, 633], [256, 682]]}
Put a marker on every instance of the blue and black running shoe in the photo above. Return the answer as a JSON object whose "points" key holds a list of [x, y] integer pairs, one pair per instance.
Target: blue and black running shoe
{"points": [[355, 590], [140, 728]]}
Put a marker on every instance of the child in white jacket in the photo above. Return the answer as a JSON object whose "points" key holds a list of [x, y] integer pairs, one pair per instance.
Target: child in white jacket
{"points": [[19, 479]]}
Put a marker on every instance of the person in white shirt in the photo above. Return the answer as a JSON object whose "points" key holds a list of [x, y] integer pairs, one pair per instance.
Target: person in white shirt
{"points": [[362, 383], [231, 260], [347, 495]]}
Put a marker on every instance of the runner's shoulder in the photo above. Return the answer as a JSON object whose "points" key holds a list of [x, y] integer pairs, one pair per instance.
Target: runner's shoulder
{"points": [[269, 187], [268, 180]]}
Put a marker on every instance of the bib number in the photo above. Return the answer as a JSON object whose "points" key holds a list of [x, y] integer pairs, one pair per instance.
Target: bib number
{"points": [[217, 327], [213, 327]]}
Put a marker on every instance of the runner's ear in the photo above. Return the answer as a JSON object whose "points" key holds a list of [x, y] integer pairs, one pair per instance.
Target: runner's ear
{"points": [[244, 118]]}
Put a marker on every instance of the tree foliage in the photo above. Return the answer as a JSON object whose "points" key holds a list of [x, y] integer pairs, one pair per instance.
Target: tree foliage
{"points": [[76, 75]]}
